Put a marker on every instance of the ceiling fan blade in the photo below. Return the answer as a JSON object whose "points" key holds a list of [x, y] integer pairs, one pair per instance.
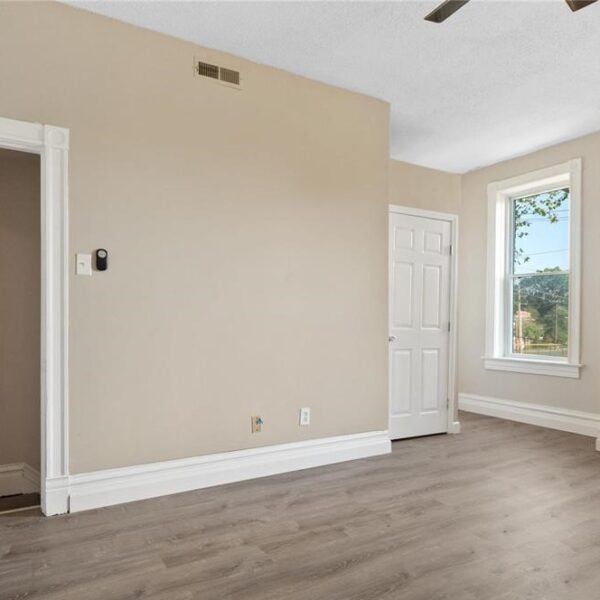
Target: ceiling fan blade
{"points": [[449, 7], [578, 4]]}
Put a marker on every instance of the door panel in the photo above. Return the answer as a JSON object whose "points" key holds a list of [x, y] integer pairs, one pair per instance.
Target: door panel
{"points": [[403, 295], [430, 376], [432, 297], [403, 238], [419, 316], [433, 242], [401, 368]]}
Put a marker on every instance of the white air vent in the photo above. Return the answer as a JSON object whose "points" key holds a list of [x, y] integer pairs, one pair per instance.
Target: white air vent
{"points": [[224, 75]]}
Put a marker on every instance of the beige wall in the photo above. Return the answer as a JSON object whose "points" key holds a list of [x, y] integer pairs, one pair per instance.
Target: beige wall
{"points": [[582, 394], [419, 187], [247, 243], [246, 233], [19, 308]]}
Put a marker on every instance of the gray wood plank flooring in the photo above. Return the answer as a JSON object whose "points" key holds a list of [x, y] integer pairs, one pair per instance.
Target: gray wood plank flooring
{"points": [[19, 501], [504, 511]]}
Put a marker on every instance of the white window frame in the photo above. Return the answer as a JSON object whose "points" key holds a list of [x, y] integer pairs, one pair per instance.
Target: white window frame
{"points": [[498, 351]]}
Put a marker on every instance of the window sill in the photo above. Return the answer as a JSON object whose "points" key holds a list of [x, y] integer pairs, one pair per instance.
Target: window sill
{"points": [[532, 366]]}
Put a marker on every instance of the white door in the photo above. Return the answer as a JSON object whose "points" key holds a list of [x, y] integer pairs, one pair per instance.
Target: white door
{"points": [[419, 319]]}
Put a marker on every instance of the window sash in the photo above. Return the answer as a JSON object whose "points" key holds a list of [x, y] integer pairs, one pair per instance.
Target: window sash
{"points": [[509, 320], [510, 234]]}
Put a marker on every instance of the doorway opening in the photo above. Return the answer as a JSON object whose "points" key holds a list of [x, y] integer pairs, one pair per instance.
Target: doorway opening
{"points": [[51, 144], [20, 330]]}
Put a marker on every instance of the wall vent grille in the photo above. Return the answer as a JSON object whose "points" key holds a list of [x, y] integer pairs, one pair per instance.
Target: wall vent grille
{"points": [[224, 75], [208, 70], [229, 76]]}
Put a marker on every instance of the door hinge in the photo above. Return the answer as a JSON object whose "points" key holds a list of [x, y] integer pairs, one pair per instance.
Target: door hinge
{"points": [[449, 325], [450, 250]]}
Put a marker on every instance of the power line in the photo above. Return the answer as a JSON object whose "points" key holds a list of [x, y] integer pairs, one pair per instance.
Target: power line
{"points": [[544, 252]]}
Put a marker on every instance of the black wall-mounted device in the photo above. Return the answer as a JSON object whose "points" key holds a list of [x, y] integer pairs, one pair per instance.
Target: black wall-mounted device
{"points": [[101, 259]]}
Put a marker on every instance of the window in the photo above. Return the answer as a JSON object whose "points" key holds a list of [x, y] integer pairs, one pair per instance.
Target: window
{"points": [[533, 272], [539, 274]]}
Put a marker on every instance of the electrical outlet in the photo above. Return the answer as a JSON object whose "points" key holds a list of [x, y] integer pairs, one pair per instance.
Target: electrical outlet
{"points": [[257, 423], [305, 416]]}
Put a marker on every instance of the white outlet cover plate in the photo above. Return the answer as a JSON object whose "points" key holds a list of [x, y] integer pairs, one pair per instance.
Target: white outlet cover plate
{"points": [[305, 416]]}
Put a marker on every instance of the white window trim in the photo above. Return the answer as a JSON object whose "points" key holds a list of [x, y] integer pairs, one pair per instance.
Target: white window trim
{"points": [[499, 197]]}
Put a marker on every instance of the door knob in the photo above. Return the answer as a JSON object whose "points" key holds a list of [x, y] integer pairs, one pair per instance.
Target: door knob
{"points": [[392, 338]]}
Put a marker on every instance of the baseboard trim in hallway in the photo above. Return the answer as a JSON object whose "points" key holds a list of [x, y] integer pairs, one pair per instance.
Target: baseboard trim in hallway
{"points": [[563, 419], [115, 486], [19, 478]]}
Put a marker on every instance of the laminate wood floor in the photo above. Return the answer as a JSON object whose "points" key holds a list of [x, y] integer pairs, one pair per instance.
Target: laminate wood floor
{"points": [[18, 501], [504, 511]]}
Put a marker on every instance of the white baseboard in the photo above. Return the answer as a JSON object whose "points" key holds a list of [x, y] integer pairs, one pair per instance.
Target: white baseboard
{"points": [[18, 478], [454, 427], [55, 499], [564, 419], [115, 486]]}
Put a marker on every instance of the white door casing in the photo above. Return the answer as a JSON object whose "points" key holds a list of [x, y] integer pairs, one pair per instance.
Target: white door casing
{"points": [[420, 315], [52, 144]]}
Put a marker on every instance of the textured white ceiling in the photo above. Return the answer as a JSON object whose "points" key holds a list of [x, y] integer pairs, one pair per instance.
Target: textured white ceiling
{"points": [[498, 79]]}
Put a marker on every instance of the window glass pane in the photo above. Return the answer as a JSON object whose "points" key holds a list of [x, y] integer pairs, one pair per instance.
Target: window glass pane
{"points": [[541, 314], [540, 232]]}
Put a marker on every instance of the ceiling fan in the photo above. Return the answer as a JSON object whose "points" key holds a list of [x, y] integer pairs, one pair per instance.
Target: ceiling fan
{"points": [[449, 7]]}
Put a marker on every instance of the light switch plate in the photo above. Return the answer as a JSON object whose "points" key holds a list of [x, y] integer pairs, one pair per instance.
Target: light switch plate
{"points": [[83, 264]]}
